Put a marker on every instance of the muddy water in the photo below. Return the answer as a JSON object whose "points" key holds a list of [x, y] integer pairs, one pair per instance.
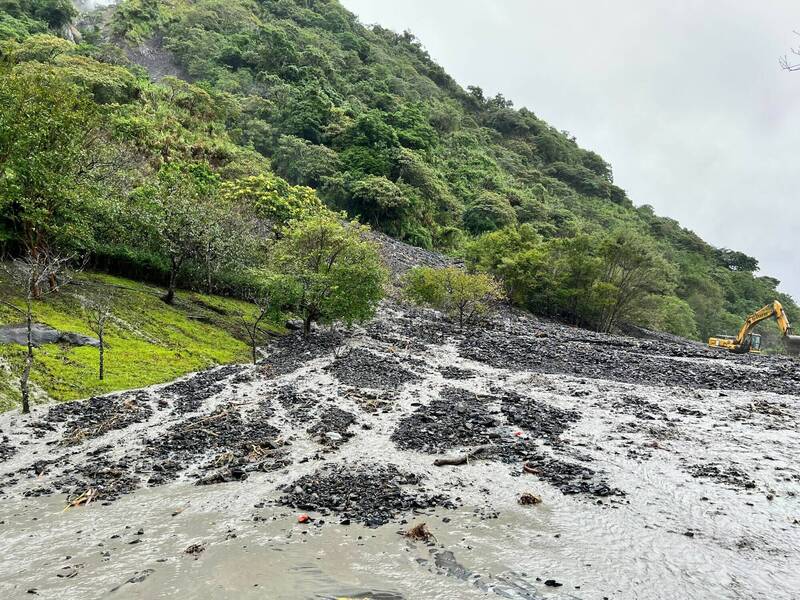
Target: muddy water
{"points": [[726, 534]]}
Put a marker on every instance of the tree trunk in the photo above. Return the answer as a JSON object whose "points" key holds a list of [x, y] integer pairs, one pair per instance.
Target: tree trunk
{"points": [[26, 373], [307, 325], [102, 352], [173, 279], [253, 347]]}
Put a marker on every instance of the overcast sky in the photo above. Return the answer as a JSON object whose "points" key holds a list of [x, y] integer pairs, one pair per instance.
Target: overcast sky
{"points": [[684, 98]]}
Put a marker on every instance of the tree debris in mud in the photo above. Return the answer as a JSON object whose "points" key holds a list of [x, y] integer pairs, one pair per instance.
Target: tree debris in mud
{"points": [[529, 499], [419, 533], [222, 433], [97, 416], [461, 459]]}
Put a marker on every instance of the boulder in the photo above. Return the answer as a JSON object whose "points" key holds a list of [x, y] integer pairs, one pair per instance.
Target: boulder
{"points": [[43, 334]]}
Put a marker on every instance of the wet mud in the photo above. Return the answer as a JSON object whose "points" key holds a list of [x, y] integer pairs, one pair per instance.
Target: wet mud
{"points": [[651, 485]]}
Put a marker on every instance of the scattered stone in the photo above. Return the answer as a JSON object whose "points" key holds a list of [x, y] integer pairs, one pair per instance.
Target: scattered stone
{"points": [[528, 499], [195, 550], [730, 475]]}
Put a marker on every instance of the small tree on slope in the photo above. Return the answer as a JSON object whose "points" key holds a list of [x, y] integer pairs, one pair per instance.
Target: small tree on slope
{"points": [[334, 272]]}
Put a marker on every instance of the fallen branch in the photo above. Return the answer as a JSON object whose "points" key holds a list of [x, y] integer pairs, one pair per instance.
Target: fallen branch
{"points": [[419, 533], [463, 459], [84, 499]]}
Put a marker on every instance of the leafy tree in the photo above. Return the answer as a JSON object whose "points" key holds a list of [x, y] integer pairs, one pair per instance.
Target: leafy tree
{"points": [[178, 205], [635, 270], [272, 198], [47, 130], [381, 203], [304, 163], [467, 297], [335, 271], [489, 212], [56, 13]]}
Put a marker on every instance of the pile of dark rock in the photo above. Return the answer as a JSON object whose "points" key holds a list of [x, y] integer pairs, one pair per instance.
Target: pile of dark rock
{"points": [[550, 348], [450, 372], [725, 474], [99, 415], [7, 450], [333, 427], [539, 420], [290, 352], [370, 494], [298, 404], [456, 418], [569, 477], [362, 368], [189, 394]]}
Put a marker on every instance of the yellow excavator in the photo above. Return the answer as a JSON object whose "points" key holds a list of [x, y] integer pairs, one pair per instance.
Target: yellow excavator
{"points": [[747, 341]]}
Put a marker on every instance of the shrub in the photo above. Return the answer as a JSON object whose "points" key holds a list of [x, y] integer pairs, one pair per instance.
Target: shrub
{"points": [[468, 297], [336, 273]]}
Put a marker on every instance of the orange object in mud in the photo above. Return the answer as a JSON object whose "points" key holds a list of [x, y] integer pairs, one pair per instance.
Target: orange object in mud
{"points": [[304, 518]]}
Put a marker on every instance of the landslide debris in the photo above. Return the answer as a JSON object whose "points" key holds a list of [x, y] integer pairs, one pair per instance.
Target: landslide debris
{"points": [[540, 420], [290, 352], [189, 394], [362, 368], [99, 415], [370, 494], [231, 445], [456, 418], [332, 427], [523, 342]]}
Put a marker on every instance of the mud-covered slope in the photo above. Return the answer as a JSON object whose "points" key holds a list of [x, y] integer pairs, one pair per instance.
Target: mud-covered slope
{"points": [[629, 444]]}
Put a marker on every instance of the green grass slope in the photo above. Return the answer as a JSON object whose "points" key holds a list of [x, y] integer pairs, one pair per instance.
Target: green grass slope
{"points": [[148, 341]]}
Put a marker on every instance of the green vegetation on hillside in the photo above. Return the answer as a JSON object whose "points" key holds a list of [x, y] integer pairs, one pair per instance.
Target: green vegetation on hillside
{"points": [[148, 340], [292, 104]]}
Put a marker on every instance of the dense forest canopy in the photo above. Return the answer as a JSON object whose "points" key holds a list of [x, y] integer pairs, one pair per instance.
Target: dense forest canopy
{"points": [[278, 104]]}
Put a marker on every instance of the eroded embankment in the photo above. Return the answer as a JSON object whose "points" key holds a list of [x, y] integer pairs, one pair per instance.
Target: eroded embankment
{"points": [[664, 470]]}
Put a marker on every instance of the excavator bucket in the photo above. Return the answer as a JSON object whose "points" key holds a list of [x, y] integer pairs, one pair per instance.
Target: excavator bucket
{"points": [[792, 343]]}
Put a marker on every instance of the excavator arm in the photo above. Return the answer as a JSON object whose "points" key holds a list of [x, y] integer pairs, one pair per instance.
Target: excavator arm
{"points": [[762, 314], [742, 341]]}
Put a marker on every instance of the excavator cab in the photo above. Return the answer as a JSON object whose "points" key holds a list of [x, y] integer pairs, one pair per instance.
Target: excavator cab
{"points": [[754, 342]]}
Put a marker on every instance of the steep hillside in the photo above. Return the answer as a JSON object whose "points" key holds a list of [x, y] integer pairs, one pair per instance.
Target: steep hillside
{"points": [[301, 91]]}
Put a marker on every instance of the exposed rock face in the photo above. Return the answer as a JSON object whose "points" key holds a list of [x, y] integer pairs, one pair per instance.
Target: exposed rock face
{"points": [[43, 334]]}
